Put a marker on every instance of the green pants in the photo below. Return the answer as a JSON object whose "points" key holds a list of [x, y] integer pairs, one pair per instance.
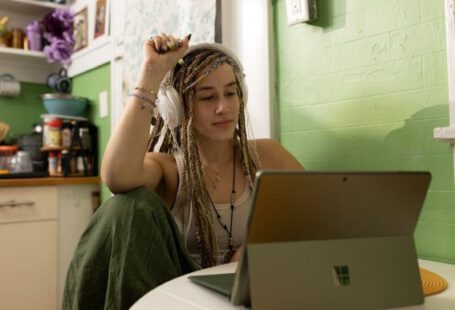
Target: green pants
{"points": [[131, 246]]}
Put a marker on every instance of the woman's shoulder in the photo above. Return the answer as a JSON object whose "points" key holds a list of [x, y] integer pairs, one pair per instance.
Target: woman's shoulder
{"points": [[273, 155]]}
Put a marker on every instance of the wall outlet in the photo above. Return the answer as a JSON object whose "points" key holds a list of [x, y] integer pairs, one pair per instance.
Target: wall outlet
{"points": [[300, 11]]}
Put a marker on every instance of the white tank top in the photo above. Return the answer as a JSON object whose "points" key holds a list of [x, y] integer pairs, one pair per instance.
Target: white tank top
{"points": [[184, 217]]}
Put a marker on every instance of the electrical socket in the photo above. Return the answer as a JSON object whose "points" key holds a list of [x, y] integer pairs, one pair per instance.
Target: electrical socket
{"points": [[300, 11]]}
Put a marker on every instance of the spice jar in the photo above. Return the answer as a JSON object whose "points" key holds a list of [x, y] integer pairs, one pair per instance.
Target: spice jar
{"points": [[18, 38], [7, 153], [54, 136]]}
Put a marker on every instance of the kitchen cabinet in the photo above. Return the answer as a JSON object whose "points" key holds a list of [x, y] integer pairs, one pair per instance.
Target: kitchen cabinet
{"points": [[40, 226]]}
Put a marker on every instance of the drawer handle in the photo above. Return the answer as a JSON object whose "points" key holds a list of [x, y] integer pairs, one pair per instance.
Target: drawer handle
{"points": [[14, 203]]}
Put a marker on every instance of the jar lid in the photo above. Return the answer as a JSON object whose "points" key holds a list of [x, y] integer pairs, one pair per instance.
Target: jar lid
{"points": [[56, 122]]}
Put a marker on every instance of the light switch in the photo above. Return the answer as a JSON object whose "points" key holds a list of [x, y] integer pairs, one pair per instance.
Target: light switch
{"points": [[103, 104]]}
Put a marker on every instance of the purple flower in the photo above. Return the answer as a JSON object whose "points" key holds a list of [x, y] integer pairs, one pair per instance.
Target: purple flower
{"points": [[58, 34], [66, 17], [58, 50]]}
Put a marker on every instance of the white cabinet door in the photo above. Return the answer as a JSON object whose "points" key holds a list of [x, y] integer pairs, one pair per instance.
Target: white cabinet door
{"points": [[28, 265], [28, 248]]}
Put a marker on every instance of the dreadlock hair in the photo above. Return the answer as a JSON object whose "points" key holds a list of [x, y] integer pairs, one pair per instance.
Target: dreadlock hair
{"points": [[183, 78]]}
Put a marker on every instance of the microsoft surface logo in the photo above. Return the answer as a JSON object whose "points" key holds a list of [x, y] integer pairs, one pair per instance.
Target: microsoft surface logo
{"points": [[341, 276]]}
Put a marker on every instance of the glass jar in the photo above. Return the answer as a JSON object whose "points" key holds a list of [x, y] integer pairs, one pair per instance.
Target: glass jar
{"points": [[7, 153], [22, 162], [54, 136], [18, 38]]}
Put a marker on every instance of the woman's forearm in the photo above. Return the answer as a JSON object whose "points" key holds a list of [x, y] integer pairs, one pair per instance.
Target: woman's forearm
{"points": [[123, 160]]}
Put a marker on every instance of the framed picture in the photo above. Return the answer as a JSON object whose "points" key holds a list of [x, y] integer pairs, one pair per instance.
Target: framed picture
{"points": [[80, 29], [101, 18]]}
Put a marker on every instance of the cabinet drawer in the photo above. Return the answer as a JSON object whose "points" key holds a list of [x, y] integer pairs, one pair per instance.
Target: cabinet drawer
{"points": [[23, 204]]}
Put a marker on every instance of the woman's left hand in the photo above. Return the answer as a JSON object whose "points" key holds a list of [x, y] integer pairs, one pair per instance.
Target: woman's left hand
{"points": [[236, 256]]}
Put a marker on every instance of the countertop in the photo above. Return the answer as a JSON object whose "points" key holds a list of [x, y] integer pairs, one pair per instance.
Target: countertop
{"points": [[49, 181]]}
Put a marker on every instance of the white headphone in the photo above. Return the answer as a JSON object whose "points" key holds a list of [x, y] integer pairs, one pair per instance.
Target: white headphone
{"points": [[168, 101]]}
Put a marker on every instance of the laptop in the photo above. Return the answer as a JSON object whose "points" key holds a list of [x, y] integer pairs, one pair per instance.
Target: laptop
{"points": [[329, 240]]}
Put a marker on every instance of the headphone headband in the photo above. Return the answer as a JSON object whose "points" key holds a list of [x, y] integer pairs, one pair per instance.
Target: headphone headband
{"points": [[168, 103]]}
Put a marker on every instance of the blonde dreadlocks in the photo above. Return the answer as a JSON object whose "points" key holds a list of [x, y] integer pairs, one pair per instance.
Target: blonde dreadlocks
{"points": [[183, 78]]}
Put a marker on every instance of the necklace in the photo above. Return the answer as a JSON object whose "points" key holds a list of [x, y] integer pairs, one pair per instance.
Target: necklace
{"points": [[230, 253], [217, 179]]}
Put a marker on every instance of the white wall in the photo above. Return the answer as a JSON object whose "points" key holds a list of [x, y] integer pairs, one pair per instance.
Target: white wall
{"points": [[247, 30]]}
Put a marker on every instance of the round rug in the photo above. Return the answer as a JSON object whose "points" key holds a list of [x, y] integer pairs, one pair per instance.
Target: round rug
{"points": [[431, 282]]}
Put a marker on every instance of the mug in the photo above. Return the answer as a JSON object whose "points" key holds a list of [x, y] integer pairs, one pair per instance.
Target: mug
{"points": [[9, 86], [60, 81]]}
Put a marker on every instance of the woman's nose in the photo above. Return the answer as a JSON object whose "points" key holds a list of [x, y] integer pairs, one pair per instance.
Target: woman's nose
{"points": [[222, 106]]}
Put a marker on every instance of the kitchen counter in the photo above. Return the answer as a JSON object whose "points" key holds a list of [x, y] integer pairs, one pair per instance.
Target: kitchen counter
{"points": [[49, 181]]}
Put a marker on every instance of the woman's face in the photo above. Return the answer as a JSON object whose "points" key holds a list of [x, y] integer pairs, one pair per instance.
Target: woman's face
{"points": [[216, 105]]}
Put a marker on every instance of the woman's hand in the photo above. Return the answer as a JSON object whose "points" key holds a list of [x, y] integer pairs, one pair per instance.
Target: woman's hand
{"points": [[236, 256], [161, 53]]}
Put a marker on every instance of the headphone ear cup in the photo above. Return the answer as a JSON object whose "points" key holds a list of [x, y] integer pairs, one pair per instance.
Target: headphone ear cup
{"points": [[169, 106]]}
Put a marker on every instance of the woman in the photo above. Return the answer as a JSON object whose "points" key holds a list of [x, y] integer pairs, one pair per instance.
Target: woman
{"points": [[197, 159]]}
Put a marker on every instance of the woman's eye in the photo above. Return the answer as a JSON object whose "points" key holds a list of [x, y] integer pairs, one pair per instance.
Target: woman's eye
{"points": [[206, 98], [230, 94]]}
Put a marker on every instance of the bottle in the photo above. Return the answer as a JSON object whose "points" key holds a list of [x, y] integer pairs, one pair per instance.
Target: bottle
{"points": [[55, 134], [52, 159], [66, 135], [80, 163], [75, 138], [84, 138], [59, 164]]}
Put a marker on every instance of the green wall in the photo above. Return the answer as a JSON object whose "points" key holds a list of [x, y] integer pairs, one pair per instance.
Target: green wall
{"points": [[23, 111], [362, 89], [90, 84]]}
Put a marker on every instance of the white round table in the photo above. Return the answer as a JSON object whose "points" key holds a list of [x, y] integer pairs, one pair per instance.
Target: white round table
{"points": [[181, 293]]}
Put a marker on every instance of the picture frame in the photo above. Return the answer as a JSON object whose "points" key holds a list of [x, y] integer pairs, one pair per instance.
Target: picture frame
{"points": [[101, 18], [80, 30]]}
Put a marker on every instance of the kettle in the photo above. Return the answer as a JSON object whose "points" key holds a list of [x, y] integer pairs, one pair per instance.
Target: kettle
{"points": [[60, 82]]}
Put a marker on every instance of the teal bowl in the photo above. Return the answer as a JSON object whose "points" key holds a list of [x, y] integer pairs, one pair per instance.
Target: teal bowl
{"points": [[64, 104]]}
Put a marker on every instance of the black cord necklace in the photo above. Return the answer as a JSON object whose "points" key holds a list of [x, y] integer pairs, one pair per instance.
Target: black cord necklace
{"points": [[230, 253]]}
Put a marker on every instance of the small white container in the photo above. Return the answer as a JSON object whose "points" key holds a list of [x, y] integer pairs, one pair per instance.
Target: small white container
{"points": [[22, 162]]}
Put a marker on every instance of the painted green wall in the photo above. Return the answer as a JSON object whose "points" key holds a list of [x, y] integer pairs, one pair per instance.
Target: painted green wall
{"points": [[23, 111], [362, 88], [90, 84]]}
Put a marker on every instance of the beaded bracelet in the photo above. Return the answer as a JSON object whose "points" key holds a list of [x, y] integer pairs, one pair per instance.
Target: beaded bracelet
{"points": [[145, 101], [151, 92]]}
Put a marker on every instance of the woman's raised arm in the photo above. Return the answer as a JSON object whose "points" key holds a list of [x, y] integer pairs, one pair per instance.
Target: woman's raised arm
{"points": [[125, 164]]}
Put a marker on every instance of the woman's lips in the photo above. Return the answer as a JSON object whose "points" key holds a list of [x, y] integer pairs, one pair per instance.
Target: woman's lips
{"points": [[222, 124]]}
